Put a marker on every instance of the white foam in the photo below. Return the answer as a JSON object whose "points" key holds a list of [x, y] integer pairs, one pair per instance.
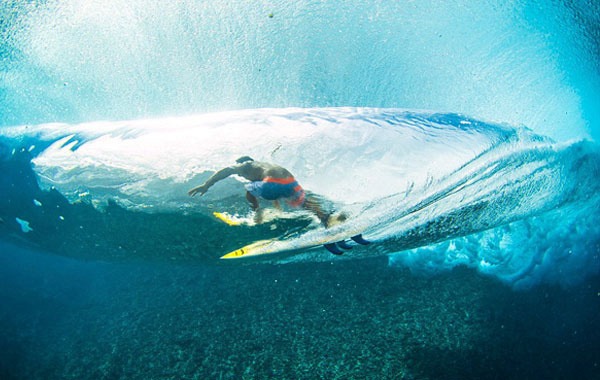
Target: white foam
{"points": [[558, 247]]}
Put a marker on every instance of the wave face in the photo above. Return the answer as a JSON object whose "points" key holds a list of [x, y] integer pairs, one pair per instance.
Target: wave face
{"points": [[407, 179]]}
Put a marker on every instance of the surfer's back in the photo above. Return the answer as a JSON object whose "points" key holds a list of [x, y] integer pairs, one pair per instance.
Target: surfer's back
{"points": [[257, 171]]}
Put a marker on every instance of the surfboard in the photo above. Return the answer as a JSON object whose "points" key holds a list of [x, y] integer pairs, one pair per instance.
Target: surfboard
{"points": [[269, 215], [232, 220], [335, 243]]}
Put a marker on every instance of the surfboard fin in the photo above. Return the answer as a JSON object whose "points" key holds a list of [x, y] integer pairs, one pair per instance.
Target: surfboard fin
{"points": [[343, 245], [360, 240], [331, 247]]}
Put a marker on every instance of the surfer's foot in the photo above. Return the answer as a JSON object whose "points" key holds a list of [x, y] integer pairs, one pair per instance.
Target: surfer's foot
{"points": [[334, 220]]}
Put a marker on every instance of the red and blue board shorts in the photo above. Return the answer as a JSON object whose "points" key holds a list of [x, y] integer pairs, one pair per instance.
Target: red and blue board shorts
{"points": [[277, 188]]}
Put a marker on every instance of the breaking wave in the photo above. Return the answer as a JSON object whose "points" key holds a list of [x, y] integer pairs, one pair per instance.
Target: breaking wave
{"points": [[434, 190]]}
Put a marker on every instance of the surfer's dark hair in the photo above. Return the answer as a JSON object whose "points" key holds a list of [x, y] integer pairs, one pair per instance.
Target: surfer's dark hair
{"points": [[243, 159]]}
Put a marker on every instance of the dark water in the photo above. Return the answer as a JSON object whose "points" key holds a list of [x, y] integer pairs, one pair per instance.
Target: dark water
{"points": [[358, 319]]}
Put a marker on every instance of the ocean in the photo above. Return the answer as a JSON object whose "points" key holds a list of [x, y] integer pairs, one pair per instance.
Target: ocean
{"points": [[457, 139]]}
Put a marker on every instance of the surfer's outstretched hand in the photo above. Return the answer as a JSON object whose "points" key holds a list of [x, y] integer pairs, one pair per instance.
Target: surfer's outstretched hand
{"points": [[198, 190]]}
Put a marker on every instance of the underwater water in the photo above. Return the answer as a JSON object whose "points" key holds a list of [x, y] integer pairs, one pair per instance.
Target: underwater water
{"points": [[457, 137]]}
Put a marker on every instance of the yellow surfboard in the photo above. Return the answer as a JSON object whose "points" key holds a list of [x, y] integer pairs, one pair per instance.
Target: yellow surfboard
{"points": [[272, 246], [268, 216], [229, 219], [256, 248]]}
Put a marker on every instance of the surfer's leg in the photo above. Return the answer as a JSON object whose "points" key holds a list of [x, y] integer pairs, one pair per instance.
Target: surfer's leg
{"points": [[312, 205], [327, 218], [255, 206], [258, 216], [253, 201]]}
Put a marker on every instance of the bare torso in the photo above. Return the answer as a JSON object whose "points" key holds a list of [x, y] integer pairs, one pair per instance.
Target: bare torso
{"points": [[257, 171]]}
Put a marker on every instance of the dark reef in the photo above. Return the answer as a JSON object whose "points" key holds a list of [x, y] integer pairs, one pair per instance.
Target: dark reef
{"points": [[359, 319]]}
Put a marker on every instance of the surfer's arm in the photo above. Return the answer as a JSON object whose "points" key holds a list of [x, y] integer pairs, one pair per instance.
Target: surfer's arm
{"points": [[218, 176]]}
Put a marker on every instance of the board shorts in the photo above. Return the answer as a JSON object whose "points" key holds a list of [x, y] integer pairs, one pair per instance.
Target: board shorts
{"points": [[273, 189]]}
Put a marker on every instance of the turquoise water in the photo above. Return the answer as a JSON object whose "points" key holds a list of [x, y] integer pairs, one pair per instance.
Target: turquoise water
{"points": [[459, 138]]}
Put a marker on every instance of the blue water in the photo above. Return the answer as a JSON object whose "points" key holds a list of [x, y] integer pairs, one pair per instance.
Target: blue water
{"points": [[459, 138]]}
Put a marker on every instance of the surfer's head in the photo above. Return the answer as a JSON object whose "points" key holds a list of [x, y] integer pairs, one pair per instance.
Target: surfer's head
{"points": [[243, 159]]}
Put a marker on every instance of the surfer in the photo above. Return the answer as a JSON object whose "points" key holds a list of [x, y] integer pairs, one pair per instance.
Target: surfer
{"points": [[270, 182]]}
